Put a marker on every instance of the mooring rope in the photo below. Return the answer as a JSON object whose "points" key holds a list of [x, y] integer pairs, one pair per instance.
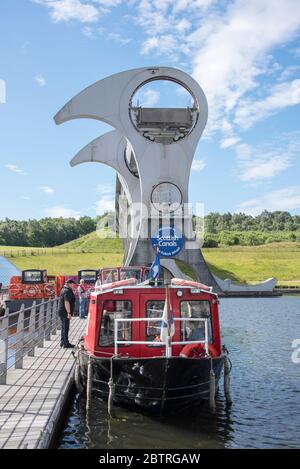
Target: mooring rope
{"points": [[227, 371], [212, 388]]}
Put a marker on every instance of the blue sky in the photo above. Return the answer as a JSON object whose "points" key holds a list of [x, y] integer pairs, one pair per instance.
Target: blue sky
{"points": [[244, 53]]}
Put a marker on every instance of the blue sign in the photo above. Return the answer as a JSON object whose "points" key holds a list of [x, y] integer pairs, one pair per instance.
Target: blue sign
{"points": [[168, 240]]}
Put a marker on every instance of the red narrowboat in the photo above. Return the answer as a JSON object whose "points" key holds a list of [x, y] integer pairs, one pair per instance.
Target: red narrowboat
{"points": [[36, 285], [155, 347], [32, 283]]}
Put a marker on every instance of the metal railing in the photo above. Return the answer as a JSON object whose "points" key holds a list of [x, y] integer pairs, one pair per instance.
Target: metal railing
{"points": [[167, 345], [21, 332], [37, 252]]}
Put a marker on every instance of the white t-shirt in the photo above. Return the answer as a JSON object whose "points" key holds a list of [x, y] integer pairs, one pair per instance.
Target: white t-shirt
{"points": [[82, 293]]}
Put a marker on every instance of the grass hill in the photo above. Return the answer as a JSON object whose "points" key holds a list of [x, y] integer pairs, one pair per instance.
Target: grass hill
{"points": [[240, 263], [92, 243]]}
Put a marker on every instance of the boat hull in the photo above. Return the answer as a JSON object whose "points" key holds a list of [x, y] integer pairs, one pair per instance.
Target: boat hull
{"points": [[157, 385]]}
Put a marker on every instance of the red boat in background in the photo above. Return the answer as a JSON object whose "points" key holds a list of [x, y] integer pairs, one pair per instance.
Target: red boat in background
{"points": [[30, 285], [155, 348], [37, 285]]}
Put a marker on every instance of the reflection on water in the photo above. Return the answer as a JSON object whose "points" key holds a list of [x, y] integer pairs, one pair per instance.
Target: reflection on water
{"points": [[265, 391]]}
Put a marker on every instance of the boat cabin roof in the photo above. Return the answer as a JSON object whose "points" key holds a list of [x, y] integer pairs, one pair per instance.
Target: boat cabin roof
{"points": [[119, 290]]}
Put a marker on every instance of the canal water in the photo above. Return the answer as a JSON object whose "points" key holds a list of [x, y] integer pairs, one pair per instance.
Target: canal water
{"points": [[265, 385]]}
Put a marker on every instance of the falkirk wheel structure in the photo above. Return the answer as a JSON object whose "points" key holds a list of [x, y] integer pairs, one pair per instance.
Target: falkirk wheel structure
{"points": [[152, 151]]}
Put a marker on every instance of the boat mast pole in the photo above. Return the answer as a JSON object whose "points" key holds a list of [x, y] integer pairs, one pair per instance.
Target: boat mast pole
{"points": [[168, 341]]}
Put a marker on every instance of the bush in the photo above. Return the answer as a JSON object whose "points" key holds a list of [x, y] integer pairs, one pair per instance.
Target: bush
{"points": [[210, 243]]}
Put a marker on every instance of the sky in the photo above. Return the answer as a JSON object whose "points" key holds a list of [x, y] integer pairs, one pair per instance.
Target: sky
{"points": [[245, 54]]}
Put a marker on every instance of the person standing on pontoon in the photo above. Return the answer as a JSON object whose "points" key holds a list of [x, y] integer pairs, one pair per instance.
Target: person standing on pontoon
{"points": [[65, 311], [82, 295]]}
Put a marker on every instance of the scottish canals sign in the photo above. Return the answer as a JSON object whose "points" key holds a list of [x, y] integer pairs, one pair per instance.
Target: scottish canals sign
{"points": [[168, 240]]}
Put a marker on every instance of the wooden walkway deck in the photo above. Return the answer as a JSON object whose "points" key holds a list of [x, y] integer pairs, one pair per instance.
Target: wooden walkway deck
{"points": [[32, 399]]}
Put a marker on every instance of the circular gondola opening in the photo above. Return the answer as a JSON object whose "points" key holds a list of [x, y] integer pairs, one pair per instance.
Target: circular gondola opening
{"points": [[163, 110]]}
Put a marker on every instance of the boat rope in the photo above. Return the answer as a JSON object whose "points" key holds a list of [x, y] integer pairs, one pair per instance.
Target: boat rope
{"points": [[164, 399], [164, 390], [212, 388], [89, 384], [153, 388], [77, 377], [227, 371], [111, 387]]}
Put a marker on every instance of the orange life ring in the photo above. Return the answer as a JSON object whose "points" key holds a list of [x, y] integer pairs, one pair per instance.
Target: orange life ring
{"points": [[49, 289], [119, 283], [181, 282], [31, 291], [198, 351], [15, 289]]}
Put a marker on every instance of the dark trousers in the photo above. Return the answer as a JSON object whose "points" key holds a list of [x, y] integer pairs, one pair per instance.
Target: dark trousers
{"points": [[65, 326]]}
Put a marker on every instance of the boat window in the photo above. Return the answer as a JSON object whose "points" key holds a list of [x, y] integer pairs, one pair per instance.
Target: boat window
{"points": [[33, 276], [109, 275], [115, 310], [130, 273], [154, 309], [89, 276], [194, 330]]}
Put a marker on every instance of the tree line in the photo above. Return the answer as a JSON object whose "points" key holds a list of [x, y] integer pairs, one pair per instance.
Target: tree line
{"points": [[265, 222], [47, 232], [240, 229], [225, 229]]}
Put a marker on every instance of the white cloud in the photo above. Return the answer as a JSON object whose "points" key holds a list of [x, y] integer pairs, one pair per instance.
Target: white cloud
{"points": [[295, 51], [48, 190], [227, 46], [113, 36], [288, 72], [149, 98], [236, 48], [229, 142], [108, 3], [105, 204], [88, 32], [264, 167], [83, 11], [266, 161], [283, 199], [61, 211], [68, 10], [199, 5], [105, 189], [14, 168], [40, 80], [166, 44], [116, 37], [183, 26], [282, 96], [198, 165]]}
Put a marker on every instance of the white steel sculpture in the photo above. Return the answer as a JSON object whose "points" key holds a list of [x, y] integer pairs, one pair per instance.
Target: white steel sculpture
{"points": [[152, 150]]}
